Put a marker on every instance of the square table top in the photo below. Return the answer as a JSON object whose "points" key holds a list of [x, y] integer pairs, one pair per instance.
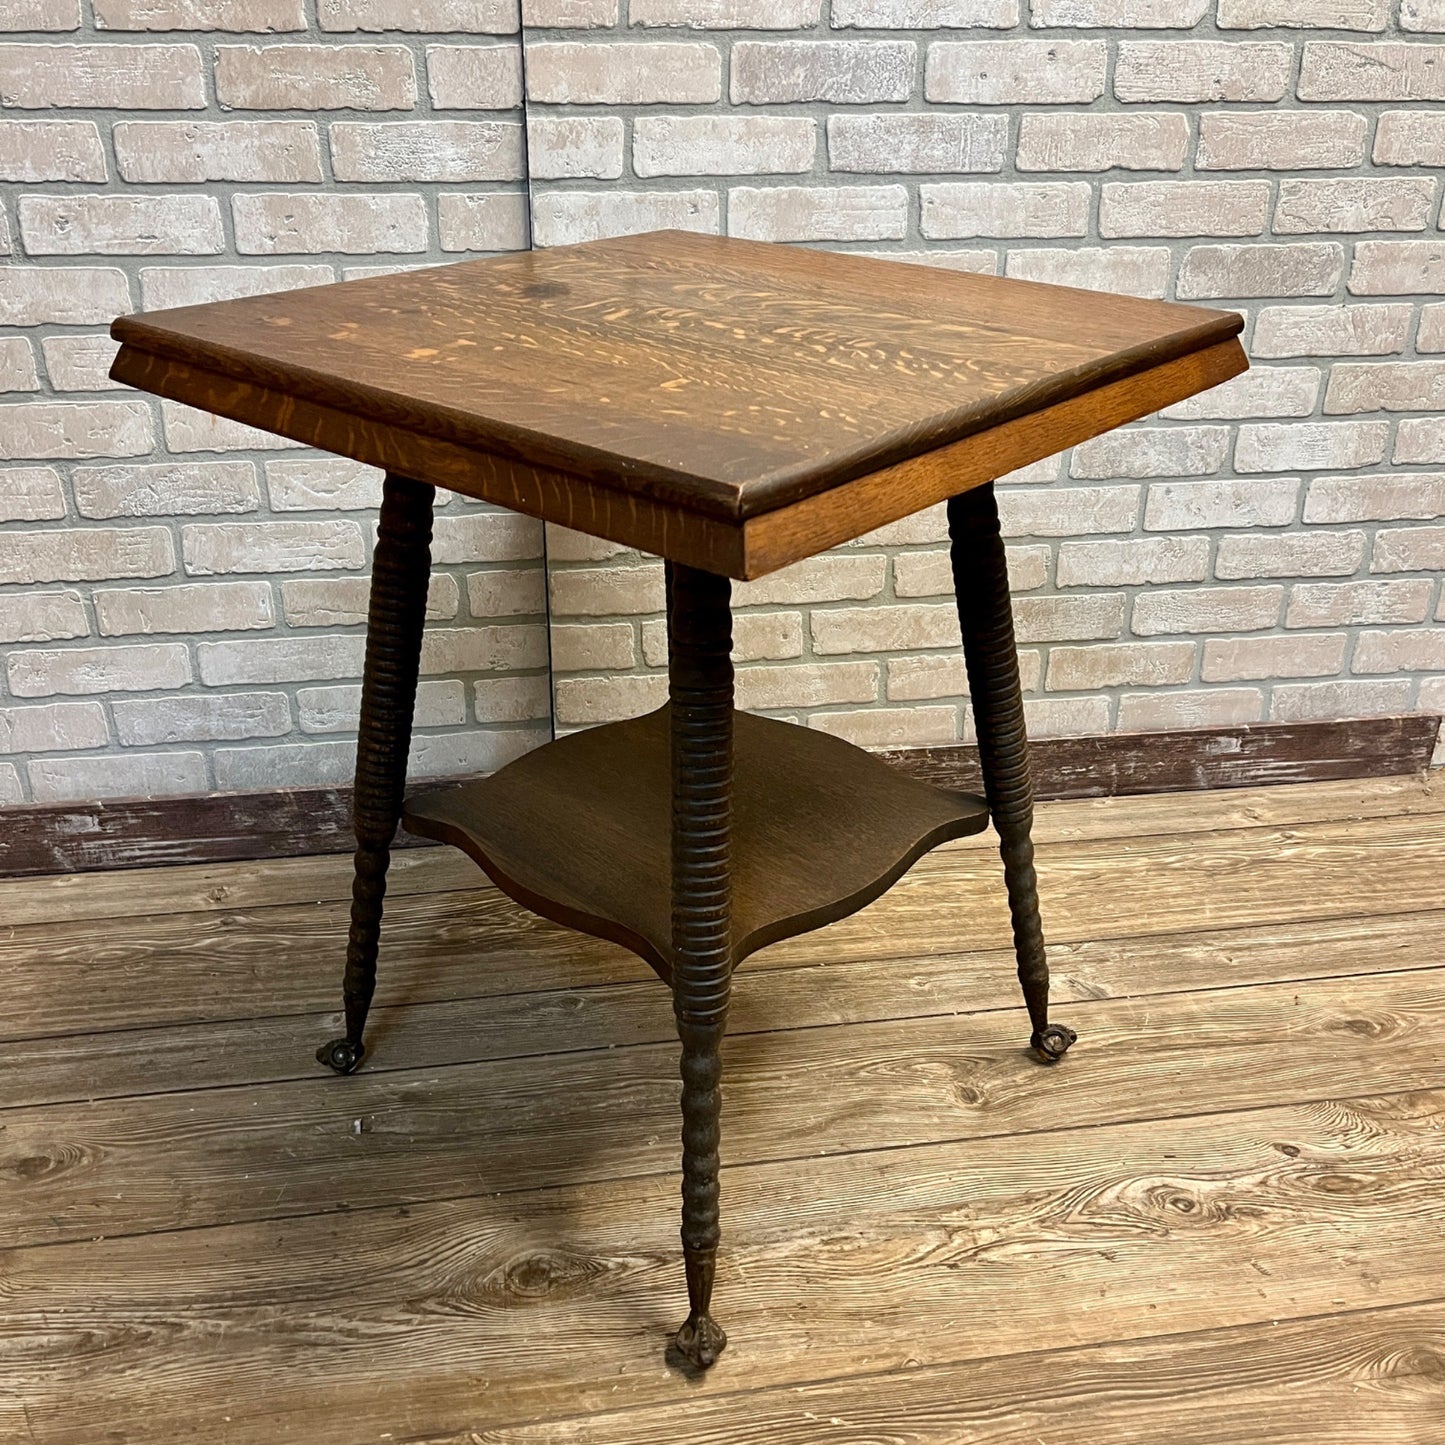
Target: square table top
{"points": [[695, 395]]}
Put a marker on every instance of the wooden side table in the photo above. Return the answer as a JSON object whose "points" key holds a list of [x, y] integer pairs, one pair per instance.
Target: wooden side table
{"points": [[732, 406]]}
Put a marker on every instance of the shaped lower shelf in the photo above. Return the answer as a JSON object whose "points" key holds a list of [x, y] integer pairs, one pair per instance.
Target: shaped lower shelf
{"points": [[579, 830]]}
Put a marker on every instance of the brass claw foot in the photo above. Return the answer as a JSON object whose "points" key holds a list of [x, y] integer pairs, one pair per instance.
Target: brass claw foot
{"points": [[341, 1055], [1052, 1043], [701, 1340]]}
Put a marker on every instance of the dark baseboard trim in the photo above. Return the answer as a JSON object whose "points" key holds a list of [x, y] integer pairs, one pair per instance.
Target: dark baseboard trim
{"points": [[227, 827]]}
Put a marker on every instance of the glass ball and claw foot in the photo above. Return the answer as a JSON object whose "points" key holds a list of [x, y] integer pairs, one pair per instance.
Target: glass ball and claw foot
{"points": [[743, 406]]}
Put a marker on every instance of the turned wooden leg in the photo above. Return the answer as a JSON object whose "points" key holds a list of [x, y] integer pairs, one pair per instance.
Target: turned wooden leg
{"points": [[701, 690], [980, 582], [401, 570]]}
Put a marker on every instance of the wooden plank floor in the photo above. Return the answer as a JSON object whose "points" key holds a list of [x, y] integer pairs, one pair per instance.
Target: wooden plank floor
{"points": [[1219, 1220]]}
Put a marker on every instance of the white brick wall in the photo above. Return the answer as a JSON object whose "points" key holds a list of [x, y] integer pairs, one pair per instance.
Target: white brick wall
{"points": [[182, 599], [1270, 551]]}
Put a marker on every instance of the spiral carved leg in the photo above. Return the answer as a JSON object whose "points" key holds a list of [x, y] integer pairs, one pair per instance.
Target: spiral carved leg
{"points": [[980, 580], [400, 572], [701, 689]]}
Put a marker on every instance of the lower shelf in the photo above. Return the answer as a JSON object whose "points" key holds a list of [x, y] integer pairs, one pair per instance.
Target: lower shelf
{"points": [[580, 830]]}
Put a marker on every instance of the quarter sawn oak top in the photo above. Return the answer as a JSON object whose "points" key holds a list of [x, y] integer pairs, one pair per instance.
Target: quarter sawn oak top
{"points": [[725, 378]]}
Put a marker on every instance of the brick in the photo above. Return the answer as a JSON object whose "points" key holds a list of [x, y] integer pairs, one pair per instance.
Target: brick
{"points": [[1240, 659], [61, 296], [1410, 138], [1065, 717], [278, 223], [123, 77], [281, 659], [807, 685], [576, 146], [483, 222], [214, 607], [80, 363], [148, 775], [427, 150], [474, 77], [17, 365], [511, 647], [166, 489], [1014, 72], [583, 700], [1131, 664], [80, 671], [1398, 268], [513, 592], [470, 753], [343, 601], [1302, 701], [166, 286], [1420, 439], [725, 14], [43, 617], [30, 494], [189, 430], [284, 765], [1207, 609], [1262, 391], [1069, 619], [1153, 452], [819, 213], [430, 17], [1183, 208], [1186, 506], [723, 145], [1431, 335], [85, 554], [818, 579], [606, 591], [1122, 270], [569, 72], [1409, 549], [315, 77], [1416, 650], [924, 14], [1109, 14], [215, 548], [923, 574], [50, 150], [1309, 446], [1331, 330], [899, 727], [322, 484], [757, 636], [42, 429], [1284, 140], [121, 225], [53, 727], [564, 217], [1304, 14], [494, 536], [1353, 203], [990, 208], [1195, 708], [1180, 71], [1091, 142], [1386, 386], [883, 629], [594, 647], [512, 699], [1302, 554], [1393, 497], [1422, 15], [1344, 604], [337, 708], [252, 15], [910, 679], [190, 151], [954, 144], [1068, 511], [1134, 562], [12, 790], [571, 14], [1371, 70], [980, 263], [227, 717], [843, 72], [1304, 268], [41, 15]]}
